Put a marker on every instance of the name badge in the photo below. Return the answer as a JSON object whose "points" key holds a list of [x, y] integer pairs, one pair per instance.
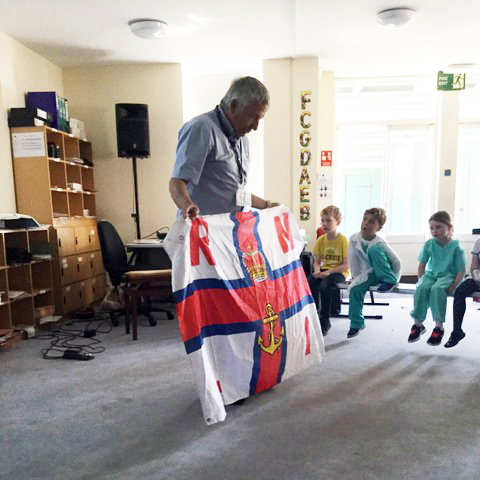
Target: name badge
{"points": [[244, 197]]}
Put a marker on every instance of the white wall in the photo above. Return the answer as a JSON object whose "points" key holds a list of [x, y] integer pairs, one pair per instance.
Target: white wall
{"points": [[286, 79], [21, 71], [277, 76], [92, 95]]}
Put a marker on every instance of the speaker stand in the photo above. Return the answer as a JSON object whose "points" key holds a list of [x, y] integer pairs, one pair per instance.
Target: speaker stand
{"points": [[136, 211]]}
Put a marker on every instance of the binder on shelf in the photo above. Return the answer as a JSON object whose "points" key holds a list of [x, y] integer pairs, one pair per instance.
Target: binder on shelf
{"points": [[29, 117], [52, 103]]}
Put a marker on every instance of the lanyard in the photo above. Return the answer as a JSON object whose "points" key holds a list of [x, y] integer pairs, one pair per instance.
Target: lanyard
{"points": [[235, 145]]}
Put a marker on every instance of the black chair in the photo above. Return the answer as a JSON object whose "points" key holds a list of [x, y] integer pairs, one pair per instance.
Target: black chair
{"points": [[116, 264]]}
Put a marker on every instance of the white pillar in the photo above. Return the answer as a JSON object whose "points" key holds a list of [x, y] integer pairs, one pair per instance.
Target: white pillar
{"points": [[447, 147]]}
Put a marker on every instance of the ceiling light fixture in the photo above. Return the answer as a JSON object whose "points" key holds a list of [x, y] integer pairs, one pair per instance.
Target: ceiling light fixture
{"points": [[395, 17], [148, 28]]}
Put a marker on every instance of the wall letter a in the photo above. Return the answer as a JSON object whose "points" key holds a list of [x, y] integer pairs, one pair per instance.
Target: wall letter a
{"points": [[283, 233], [197, 243]]}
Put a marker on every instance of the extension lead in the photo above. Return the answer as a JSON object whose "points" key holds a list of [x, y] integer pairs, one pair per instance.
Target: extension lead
{"points": [[71, 354]]}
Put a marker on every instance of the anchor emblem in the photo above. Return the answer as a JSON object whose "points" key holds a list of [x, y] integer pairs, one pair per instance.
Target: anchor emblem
{"points": [[273, 342]]}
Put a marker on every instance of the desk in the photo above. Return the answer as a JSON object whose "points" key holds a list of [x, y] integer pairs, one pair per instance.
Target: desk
{"points": [[150, 254]]}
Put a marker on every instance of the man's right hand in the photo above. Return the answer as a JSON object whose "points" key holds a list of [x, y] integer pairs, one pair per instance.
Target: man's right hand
{"points": [[190, 211]]}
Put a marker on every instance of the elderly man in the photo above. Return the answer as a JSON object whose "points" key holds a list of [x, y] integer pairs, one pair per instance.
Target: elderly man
{"points": [[211, 168]]}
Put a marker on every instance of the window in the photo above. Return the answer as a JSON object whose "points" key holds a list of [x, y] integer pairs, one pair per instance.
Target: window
{"points": [[385, 166], [467, 216], [470, 99], [385, 148], [361, 154], [408, 192]]}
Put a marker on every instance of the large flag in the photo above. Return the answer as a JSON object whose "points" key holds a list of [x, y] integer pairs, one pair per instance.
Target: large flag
{"points": [[247, 316]]}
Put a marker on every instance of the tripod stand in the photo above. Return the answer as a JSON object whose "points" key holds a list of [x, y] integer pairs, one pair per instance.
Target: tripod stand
{"points": [[136, 211]]}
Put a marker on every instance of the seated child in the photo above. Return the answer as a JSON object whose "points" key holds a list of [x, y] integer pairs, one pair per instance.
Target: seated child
{"points": [[465, 289], [372, 262], [331, 264], [441, 269]]}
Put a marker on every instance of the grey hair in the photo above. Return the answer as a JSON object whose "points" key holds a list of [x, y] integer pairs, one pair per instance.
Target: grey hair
{"points": [[246, 90]]}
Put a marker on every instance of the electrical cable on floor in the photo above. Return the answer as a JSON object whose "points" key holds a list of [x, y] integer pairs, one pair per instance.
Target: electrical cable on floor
{"points": [[76, 343]]}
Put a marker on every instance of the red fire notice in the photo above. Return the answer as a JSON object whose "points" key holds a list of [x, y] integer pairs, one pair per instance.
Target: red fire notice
{"points": [[326, 158]]}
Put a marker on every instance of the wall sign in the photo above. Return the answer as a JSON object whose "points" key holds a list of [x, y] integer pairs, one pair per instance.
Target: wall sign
{"points": [[449, 81], [326, 158], [28, 144]]}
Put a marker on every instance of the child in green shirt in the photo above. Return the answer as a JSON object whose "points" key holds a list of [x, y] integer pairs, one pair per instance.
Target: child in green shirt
{"points": [[441, 269]]}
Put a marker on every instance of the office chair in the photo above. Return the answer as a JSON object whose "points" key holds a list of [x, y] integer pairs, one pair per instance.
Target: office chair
{"points": [[116, 264]]}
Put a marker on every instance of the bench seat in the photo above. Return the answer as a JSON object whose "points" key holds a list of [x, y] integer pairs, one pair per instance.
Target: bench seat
{"points": [[408, 288]]}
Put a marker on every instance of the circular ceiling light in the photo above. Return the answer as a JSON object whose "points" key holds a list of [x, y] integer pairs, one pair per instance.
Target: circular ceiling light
{"points": [[395, 17], [148, 28]]}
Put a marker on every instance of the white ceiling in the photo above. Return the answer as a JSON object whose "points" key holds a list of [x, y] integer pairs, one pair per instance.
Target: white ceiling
{"points": [[228, 34]]}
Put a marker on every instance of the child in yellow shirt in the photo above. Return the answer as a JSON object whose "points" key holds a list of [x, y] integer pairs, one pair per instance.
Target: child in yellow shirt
{"points": [[331, 264]]}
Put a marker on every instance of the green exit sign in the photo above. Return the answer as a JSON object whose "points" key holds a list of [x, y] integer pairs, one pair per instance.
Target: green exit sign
{"points": [[450, 81]]}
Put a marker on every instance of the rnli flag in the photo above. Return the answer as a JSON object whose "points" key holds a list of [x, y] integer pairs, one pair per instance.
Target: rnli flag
{"points": [[247, 317]]}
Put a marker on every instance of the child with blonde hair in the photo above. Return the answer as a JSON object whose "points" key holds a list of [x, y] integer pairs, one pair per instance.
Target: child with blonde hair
{"points": [[330, 265], [441, 269]]}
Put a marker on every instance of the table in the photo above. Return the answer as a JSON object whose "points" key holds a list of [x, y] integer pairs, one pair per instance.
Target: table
{"points": [[149, 254]]}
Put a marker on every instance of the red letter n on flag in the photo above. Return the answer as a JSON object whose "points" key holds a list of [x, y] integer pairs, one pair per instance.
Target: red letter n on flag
{"points": [[284, 234], [197, 243]]}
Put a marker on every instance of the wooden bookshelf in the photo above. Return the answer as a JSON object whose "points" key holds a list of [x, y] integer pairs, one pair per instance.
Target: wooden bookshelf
{"points": [[54, 183], [26, 289]]}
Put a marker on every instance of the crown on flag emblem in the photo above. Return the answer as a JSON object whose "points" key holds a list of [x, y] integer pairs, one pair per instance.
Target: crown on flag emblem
{"points": [[254, 262]]}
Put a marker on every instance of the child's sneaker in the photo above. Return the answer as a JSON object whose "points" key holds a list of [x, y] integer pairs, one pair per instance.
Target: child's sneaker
{"points": [[455, 337], [415, 333], [436, 336], [385, 287], [353, 332]]}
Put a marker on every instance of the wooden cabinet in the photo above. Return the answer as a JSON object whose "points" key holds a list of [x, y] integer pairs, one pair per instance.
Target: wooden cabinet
{"points": [[26, 288], [80, 279], [54, 183]]}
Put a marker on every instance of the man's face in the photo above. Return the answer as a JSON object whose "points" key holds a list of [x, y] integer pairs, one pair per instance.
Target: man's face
{"points": [[245, 119]]}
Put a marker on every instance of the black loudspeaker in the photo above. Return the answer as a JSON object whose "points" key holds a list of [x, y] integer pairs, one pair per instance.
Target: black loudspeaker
{"points": [[133, 138]]}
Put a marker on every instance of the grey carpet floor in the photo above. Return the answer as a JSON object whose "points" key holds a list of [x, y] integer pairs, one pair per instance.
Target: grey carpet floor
{"points": [[377, 408]]}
